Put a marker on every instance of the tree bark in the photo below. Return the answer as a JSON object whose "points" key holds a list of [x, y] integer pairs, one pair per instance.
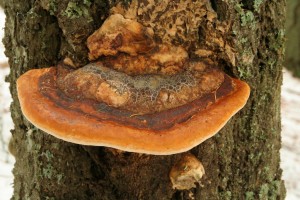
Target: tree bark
{"points": [[292, 60], [241, 161]]}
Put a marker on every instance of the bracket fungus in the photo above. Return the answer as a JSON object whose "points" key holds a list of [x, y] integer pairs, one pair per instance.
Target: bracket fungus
{"points": [[136, 95]]}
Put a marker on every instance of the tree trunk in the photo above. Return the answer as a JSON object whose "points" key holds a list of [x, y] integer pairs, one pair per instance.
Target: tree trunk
{"points": [[292, 61], [241, 161]]}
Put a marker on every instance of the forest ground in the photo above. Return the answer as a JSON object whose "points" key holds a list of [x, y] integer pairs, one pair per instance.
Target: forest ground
{"points": [[290, 111]]}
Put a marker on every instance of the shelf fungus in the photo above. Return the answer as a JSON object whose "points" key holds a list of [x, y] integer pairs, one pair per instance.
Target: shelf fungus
{"points": [[136, 95]]}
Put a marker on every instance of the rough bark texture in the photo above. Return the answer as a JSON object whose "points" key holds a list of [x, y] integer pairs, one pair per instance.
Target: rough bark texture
{"points": [[292, 61], [241, 161]]}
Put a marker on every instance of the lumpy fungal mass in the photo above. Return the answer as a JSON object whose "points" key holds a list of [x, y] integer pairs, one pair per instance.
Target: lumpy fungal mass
{"points": [[136, 74]]}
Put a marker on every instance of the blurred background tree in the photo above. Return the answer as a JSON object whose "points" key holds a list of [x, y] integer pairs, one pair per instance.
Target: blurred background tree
{"points": [[292, 59]]}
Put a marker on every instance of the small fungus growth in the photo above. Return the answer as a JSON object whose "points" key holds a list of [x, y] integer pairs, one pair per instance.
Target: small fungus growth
{"points": [[186, 172]]}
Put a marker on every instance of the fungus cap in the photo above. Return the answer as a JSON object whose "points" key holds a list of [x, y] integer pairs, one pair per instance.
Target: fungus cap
{"points": [[88, 123]]}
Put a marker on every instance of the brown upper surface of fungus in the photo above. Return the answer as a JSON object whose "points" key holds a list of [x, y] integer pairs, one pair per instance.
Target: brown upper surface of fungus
{"points": [[141, 94]]}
